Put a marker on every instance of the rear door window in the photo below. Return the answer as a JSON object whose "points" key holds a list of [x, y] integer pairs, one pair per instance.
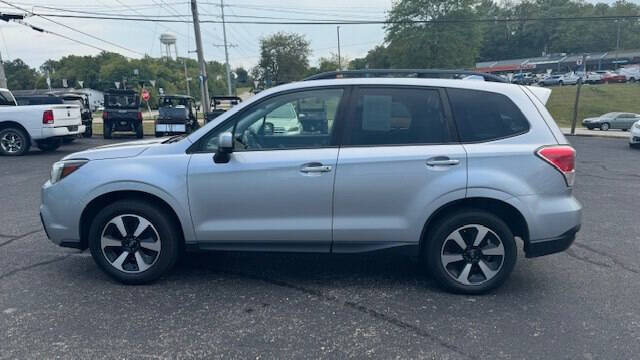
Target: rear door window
{"points": [[485, 116], [398, 116]]}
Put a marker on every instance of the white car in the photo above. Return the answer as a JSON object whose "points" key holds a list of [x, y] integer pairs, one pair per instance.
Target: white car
{"points": [[41, 125], [632, 74], [634, 135]]}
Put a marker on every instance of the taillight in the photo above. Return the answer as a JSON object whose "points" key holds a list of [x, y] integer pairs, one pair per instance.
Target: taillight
{"points": [[139, 116], [47, 117], [561, 157]]}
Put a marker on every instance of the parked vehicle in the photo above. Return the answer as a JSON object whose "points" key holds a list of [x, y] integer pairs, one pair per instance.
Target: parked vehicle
{"points": [[81, 100], [122, 113], [561, 79], [376, 164], [176, 115], [631, 74], [27, 100], [634, 135], [611, 77], [523, 79], [613, 120], [593, 78], [44, 126], [220, 104]]}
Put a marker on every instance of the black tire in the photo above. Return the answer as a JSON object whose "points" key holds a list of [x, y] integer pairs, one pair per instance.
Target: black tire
{"points": [[14, 142], [605, 126], [139, 132], [50, 144], [634, 146], [439, 235], [166, 230], [88, 132], [159, 134], [106, 132]]}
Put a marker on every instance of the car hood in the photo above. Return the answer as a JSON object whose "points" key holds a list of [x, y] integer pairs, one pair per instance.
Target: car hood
{"points": [[116, 151]]}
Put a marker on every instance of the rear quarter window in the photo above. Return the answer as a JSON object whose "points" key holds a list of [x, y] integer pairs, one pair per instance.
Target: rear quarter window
{"points": [[485, 116]]}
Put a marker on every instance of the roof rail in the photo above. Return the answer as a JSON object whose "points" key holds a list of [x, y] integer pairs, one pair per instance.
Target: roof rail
{"points": [[408, 73]]}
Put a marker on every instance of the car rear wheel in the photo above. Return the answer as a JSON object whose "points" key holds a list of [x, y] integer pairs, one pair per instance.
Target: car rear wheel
{"points": [[13, 142], [604, 126], [88, 132], [134, 241], [139, 133], [471, 252]]}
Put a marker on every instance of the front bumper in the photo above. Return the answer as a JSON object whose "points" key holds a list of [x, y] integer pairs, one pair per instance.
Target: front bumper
{"points": [[48, 132], [57, 213], [634, 136], [535, 248]]}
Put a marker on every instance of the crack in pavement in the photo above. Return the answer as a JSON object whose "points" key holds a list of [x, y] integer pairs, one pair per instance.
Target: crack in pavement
{"points": [[42, 263], [582, 258], [608, 256], [358, 307], [20, 237]]}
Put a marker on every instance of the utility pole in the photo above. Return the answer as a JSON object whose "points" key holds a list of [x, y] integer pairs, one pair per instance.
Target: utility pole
{"points": [[339, 58], [186, 76], [206, 107], [575, 105], [226, 50], [617, 43]]}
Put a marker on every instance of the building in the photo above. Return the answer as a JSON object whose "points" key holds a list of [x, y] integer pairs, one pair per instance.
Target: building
{"points": [[562, 62]]}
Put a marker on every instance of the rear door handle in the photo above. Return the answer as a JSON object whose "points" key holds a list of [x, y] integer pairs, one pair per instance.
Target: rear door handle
{"points": [[442, 162], [315, 168]]}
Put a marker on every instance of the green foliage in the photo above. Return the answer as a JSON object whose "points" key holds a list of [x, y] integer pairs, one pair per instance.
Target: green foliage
{"points": [[100, 72], [284, 57]]}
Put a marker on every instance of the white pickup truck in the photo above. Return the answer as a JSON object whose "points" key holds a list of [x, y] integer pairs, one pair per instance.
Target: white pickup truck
{"points": [[41, 125]]}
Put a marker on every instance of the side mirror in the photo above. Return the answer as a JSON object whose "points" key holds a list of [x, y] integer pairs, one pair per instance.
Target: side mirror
{"points": [[225, 148]]}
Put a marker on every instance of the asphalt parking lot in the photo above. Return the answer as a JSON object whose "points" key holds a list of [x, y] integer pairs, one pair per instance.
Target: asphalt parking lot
{"points": [[583, 303]]}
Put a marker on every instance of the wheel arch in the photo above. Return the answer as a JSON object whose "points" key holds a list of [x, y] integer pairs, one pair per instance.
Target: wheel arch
{"points": [[98, 203], [11, 123], [505, 211]]}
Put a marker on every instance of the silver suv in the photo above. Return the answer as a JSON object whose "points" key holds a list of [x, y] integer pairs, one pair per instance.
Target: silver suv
{"points": [[453, 170]]}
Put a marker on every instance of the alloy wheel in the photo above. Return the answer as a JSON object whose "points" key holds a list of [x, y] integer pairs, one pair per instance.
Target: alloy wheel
{"points": [[130, 243], [472, 254], [11, 142]]}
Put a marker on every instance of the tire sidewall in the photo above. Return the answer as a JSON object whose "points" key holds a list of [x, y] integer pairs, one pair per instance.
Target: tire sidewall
{"points": [[445, 227], [163, 225], [605, 127], [24, 138]]}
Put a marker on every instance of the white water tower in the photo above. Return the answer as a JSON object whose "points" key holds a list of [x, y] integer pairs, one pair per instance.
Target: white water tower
{"points": [[167, 40]]}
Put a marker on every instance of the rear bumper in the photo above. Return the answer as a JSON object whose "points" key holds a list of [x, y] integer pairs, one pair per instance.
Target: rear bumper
{"points": [[535, 248], [48, 132]]}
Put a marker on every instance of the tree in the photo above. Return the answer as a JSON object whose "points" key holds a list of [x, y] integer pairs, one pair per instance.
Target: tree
{"points": [[438, 43], [20, 76], [377, 58], [284, 57]]}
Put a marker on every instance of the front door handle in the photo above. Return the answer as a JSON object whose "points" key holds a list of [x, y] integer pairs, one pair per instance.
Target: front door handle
{"points": [[315, 168], [442, 161]]}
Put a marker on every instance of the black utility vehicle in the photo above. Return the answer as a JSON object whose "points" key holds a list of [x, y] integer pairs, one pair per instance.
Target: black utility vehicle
{"points": [[122, 112], [81, 100], [220, 104], [176, 115]]}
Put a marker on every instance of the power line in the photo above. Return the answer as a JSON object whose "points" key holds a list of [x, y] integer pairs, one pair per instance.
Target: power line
{"points": [[352, 22], [71, 28], [39, 29]]}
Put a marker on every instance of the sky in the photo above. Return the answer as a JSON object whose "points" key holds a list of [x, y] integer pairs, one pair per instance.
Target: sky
{"points": [[34, 48]]}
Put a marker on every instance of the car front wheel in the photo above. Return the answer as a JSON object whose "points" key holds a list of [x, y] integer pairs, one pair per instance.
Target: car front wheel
{"points": [[471, 252], [604, 126], [134, 242], [13, 142]]}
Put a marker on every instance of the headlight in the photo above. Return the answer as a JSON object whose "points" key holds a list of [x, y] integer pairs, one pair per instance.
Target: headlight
{"points": [[637, 125], [64, 168]]}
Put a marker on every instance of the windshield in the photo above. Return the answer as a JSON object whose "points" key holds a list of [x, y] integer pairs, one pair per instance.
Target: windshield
{"points": [[173, 102], [6, 98], [122, 101]]}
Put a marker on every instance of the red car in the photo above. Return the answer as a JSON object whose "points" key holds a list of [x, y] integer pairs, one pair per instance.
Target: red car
{"points": [[611, 77]]}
